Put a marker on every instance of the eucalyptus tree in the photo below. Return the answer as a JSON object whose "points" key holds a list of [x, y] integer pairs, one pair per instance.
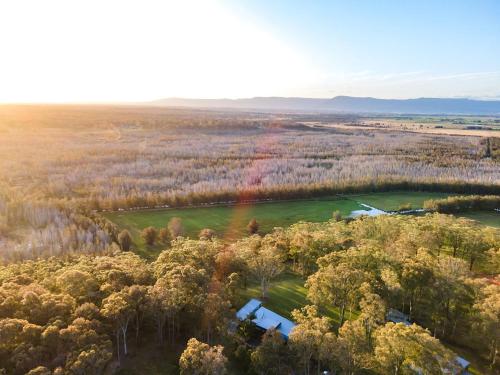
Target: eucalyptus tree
{"points": [[118, 309], [264, 260], [488, 322], [272, 356], [335, 285], [402, 349], [202, 359], [308, 336]]}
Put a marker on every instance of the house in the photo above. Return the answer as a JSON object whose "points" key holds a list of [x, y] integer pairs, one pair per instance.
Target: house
{"points": [[265, 318], [463, 365], [397, 316]]}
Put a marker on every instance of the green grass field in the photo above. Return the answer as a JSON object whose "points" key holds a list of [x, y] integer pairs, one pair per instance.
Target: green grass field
{"points": [[230, 221], [391, 201], [491, 218], [286, 293]]}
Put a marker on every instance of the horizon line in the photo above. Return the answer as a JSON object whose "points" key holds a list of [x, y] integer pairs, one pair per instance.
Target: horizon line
{"points": [[146, 102]]}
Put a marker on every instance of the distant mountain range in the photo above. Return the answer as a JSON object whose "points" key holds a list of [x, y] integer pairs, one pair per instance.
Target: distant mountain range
{"points": [[345, 104]]}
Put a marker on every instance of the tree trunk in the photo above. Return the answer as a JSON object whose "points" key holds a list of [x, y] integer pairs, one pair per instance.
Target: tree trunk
{"points": [[118, 345], [263, 287], [472, 260], [173, 329], [494, 352], [342, 312], [137, 328], [124, 332], [160, 321], [411, 307]]}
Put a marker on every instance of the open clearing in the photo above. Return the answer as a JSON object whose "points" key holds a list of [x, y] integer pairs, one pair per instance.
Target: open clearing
{"points": [[491, 218], [230, 221], [285, 294]]}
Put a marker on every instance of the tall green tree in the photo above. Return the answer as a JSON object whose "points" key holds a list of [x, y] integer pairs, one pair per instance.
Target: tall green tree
{"points": [[335, 285], [488, 322], [201, 359], [402, 349], [119, 310], [264, 260], [272, 356], [308, 336]]}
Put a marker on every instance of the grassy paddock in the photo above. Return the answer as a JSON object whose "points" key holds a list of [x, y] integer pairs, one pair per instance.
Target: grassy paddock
{"points": [[491, 218], [286, 293], [391, 201], [230, 221]]}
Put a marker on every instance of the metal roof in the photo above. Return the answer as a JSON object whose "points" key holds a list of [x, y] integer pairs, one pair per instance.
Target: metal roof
{"points": [[248, 309], [265, 318]]}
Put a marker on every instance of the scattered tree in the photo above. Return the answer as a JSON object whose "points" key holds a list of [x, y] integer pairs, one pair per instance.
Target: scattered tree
{"points": [[175, 227], [206, 234], [149, 235], [125, 240], [164, 235], [253, 226]]}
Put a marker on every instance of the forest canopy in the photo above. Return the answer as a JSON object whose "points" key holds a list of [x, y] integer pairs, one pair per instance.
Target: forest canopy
{"points": [[81, 314]]}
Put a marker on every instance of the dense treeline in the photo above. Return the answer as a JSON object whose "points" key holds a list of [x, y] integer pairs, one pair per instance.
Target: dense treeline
{"points": [[464, 203], [34, 229], [293, 192], [83, 315]]}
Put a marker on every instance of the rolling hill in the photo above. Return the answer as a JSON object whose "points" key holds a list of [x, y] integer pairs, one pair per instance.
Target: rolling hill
{"points": [[345, 104]]}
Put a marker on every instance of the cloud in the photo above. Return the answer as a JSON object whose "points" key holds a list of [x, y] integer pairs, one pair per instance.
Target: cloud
{"points": [[412, 84]]}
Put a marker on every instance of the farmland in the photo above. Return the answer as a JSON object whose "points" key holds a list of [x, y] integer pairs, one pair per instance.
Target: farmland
{"points": [[491, 218], [230, 221]]}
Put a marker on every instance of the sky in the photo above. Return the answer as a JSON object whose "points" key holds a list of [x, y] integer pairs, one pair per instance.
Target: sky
{"points": [[125, 50]]}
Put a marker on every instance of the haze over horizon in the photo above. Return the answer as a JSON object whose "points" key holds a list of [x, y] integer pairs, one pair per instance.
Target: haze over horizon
{"points": [[118, 51]]}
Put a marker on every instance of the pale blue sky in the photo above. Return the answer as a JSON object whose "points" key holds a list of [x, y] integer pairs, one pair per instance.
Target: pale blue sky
{"points": [[134, 50], [402, 47]]}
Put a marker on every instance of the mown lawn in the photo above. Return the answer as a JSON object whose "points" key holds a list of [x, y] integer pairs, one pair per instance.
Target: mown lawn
{"points": [[286, 293]]}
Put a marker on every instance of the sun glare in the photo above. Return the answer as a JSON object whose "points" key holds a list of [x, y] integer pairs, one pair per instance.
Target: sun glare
{"points": [[116, 50]]}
